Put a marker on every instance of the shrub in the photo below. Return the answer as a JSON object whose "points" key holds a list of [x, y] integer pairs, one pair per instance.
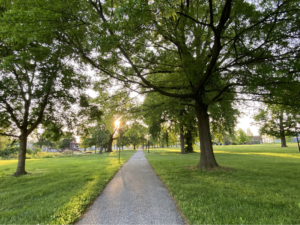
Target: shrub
{"points": [[67, 152], [9, 152], [37, 150], [29, 151], [48, 156]]}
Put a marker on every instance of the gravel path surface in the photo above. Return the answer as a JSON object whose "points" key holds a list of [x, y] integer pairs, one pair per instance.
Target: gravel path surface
{"points": [[134, 196]]}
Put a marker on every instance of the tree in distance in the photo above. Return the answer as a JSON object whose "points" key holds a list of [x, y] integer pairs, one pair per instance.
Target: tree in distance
{"points": [[66, 141], [249, 135], [167, 120], [278, 121], [241, 136], [160, 111], [115, 105], [91, 127], [136, 134]]}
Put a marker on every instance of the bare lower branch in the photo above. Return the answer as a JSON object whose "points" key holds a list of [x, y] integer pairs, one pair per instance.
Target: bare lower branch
{"points": [[9, 135]]}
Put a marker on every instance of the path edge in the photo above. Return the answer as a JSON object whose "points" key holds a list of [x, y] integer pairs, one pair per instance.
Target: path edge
{"points": [[184, 219], [92, 203]]}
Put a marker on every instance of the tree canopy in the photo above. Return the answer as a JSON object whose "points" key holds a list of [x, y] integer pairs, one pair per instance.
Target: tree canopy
{"points": [[206, 54], [36, 87]]}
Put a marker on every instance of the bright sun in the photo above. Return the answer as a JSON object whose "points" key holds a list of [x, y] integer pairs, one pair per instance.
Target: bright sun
{"points": [[117, 123]]}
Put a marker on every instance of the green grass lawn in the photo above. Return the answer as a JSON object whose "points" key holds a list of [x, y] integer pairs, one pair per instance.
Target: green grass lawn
{"points": [[57, 190], [260, 186]]}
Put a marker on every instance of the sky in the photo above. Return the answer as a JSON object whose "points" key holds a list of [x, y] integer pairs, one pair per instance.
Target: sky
{"points": [[248, 110], [245, 122]]}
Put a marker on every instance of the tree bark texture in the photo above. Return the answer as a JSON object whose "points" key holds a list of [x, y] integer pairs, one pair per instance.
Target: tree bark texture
{"points": [[181, 140], [22, 155], [207, 158]]}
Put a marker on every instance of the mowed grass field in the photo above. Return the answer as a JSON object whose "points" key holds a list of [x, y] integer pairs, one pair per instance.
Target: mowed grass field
{"points": [[57, 190], [259, 185]]}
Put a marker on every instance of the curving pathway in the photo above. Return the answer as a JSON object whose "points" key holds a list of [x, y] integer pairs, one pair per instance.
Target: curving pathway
{"points": [[134, 196]]}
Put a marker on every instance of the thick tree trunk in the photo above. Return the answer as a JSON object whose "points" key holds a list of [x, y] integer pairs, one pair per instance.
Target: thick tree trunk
{"points": [[207, 158], [181, 140], [101, 147], [282, 134], [109, 145], [133, 147], [283, 141], [22, 156]]}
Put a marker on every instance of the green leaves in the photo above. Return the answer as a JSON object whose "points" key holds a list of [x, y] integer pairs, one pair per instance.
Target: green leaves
{"points": [[278, 120]]}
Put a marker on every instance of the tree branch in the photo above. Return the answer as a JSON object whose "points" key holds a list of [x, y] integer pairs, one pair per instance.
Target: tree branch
{"points": [[9, 135], [196, 21]]}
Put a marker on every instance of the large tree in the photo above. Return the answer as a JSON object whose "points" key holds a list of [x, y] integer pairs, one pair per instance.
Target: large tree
{"points": [[205, 51], [35, 87]]}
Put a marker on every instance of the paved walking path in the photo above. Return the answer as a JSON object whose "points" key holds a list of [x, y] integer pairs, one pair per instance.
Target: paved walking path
{"points": [[134, 196]]}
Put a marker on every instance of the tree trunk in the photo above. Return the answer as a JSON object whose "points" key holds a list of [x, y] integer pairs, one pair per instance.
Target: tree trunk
{"points": [[207, 158], [22, 156], [282, 134], [109, 145], [133, 147], [297, 141], [283, 141], [101, 147], [181, 140], [189, 141]]}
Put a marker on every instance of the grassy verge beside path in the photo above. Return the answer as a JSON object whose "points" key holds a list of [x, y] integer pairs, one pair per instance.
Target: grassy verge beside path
{"points": [[57, 190], [260, 186]]}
